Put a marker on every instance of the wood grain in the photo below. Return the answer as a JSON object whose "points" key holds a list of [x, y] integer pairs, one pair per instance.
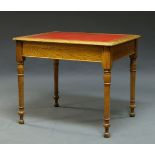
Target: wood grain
{"points": [[123, 50], [20, 68], [133, 58], [62, 51], [107, 64], [20, 71], [19, 51]]}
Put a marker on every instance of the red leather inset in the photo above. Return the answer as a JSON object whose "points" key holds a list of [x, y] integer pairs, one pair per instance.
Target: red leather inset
{"points": [[79, 36]]}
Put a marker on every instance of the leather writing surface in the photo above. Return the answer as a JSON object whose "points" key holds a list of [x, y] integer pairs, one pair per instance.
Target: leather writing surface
{"points": [[79, 36]]}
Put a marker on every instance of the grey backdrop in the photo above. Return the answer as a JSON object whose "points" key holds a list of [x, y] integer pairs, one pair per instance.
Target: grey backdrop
{"points": [[80, 117]]}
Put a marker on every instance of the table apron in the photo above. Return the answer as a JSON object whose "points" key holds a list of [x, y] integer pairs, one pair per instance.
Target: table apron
{"points": [[123, 50], [75, 52], [63, 51]]}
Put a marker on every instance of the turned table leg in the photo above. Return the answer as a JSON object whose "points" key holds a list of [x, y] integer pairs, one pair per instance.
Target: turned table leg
{"points": [[56, 72], [20, 69], [107, 82], [132, 84]]}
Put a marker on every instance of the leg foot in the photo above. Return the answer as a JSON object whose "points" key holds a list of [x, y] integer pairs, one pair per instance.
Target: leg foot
{"points": [[106, 135], [132, 114], [56, 104], [132, 109], [21, 121], [106, 127], [21, 115]]}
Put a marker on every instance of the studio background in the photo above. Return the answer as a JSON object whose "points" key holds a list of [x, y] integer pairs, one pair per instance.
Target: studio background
{"points": [[80, 117]]}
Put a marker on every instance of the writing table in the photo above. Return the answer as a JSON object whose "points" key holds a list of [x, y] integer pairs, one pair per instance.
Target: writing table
{"points": [[79, 46]]}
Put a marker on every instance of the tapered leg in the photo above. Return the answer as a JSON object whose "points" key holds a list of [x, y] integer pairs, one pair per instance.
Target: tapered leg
{"points": [[107, 83], [20, 69], [56, 71], [132, 84]]}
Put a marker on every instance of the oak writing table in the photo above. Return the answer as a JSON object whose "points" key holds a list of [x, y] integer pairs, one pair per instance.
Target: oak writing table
{"points": [[79, 46]]}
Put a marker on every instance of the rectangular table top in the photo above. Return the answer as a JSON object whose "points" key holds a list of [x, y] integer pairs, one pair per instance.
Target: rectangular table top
{"points": [[103, 39]]}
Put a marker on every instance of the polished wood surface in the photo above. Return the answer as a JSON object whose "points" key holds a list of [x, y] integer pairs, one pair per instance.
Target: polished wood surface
{"points": [[20, 70], [62, 51], [105, 54], [107, 64], [133, 58]]}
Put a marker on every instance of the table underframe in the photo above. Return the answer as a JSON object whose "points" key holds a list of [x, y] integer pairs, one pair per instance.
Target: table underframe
{"points": [[105, 55]]}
